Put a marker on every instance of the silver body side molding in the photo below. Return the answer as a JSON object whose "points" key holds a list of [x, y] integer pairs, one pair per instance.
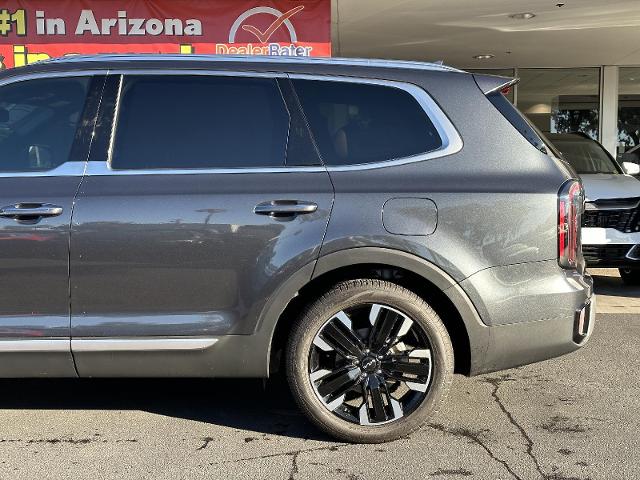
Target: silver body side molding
{"points": [[34, 345], [140, 344], [154, 344]]}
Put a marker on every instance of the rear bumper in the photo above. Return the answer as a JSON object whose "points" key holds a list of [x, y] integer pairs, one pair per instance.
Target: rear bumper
{"points": [[524, 343], [532, 312]]}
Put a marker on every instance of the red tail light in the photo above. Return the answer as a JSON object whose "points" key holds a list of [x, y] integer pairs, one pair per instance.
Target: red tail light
{"points": [[570, 208]]}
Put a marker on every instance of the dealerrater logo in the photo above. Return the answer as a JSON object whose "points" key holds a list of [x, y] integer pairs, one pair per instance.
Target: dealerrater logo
{"points": [[282, 20]]}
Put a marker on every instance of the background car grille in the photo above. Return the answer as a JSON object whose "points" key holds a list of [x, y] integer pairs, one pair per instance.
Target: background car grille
{"points": [[627, 221], [606, 254]]}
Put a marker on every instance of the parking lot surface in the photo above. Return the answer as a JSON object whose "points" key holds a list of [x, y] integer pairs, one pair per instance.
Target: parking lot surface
{"points": [[571, 418]]}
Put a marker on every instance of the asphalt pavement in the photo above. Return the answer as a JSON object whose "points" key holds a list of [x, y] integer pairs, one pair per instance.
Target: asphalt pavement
{"points": [[576, 417]]}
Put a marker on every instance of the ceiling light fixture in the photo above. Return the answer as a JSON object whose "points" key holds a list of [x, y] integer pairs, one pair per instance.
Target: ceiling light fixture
{"points": [[484, 56], [522, 16]]}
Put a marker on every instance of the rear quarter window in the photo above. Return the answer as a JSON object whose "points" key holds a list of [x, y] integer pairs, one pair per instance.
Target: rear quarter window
{"points": [[355, 123]]}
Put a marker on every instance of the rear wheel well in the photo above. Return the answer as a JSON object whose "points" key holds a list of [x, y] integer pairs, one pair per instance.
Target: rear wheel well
{"points": [[408, 279]]}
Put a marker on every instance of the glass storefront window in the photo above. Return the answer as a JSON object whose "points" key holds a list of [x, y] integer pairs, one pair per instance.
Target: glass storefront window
{"points": [[629, 114], [561, 100], [502, 72]]}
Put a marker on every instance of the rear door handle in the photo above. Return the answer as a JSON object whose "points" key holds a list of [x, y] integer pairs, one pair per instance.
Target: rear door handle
{"points": [[285, 208], [22, 211]]}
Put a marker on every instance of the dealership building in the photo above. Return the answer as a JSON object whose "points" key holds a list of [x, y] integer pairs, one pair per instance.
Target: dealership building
{"points": [[578, 61]]}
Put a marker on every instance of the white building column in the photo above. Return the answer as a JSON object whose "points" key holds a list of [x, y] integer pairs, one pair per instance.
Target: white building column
{"points": [[609, 108]]}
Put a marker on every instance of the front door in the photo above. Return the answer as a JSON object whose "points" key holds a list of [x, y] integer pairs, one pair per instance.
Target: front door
{"points": [[42, 159], [195, 215]]}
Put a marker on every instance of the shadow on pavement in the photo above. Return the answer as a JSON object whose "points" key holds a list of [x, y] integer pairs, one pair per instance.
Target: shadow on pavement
{"points": [[608, 284], [244, 404]]}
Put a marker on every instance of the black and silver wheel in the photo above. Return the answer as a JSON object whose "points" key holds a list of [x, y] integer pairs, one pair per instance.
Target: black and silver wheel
{"points": [[369, 361], [630, 276]]}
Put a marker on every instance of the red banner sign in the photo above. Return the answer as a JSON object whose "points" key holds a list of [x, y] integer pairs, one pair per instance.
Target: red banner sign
{"points": [[33, 30]]}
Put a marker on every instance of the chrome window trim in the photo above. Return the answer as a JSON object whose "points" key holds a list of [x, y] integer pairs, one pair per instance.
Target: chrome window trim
{"points": [[66, 169], [153, 344], [451, 140], [114, 122], [98, 168]]}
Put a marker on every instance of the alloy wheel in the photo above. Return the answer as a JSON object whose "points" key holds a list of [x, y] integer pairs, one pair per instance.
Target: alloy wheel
{"points": [[371, 364]]}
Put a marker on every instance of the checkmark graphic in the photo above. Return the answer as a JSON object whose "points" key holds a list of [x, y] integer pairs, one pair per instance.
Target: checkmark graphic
{"points": [[264, 37]]}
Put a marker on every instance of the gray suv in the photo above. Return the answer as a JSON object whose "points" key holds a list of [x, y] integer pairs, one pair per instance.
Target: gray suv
{"points": [[368, 227]]}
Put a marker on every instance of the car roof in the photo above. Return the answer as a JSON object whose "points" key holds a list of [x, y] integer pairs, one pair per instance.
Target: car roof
{"points": [[308, 65], [366, 62]]}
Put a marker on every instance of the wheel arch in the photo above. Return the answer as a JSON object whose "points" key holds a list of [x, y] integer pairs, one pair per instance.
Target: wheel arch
{"points": [[469, 335]]}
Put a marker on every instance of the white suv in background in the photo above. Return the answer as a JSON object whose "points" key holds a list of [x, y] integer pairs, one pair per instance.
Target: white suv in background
{"points": [[611, 221]]}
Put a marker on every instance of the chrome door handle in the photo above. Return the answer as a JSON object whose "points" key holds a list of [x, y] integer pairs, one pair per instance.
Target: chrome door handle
{"points": [[284, 208], [21, 211]]}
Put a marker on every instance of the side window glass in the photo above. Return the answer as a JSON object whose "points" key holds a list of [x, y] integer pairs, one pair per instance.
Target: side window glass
{"points": [[199, 121], [355, 123], [38, 122]]}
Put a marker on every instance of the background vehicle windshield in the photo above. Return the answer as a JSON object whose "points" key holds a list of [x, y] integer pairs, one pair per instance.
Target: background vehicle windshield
{"points": [[585, 156]]}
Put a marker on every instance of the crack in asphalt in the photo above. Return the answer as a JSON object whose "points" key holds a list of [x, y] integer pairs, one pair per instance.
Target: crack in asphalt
{"points": [[294, 453], [452, 472], [475, 437], [207, 441], [496, 382], [71, 441], [294, 465]]}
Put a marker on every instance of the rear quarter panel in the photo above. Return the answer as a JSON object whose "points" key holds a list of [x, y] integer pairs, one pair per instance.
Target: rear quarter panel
{"points": [[496, 198]]}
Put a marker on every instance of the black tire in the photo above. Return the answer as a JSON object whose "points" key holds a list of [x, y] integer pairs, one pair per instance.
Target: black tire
{"points": [[630, 276], [351, 294]]}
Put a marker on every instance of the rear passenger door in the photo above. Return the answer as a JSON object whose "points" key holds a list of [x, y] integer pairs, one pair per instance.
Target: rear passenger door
{"points": [[204, 197], [45, 126]]}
